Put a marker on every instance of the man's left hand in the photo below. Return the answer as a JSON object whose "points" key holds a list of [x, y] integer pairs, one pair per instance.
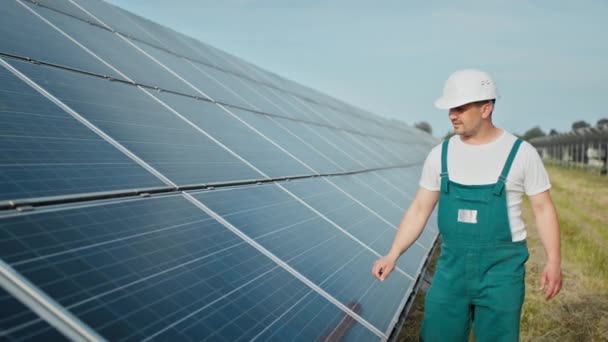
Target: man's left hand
{"points": [[551, 280]]}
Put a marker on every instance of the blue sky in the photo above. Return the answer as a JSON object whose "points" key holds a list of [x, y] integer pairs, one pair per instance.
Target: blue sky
{"points": [[549, 58]]}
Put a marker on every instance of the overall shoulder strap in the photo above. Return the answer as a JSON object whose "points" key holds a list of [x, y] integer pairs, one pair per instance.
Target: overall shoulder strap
{"points": [[505, 170], [444, 166]]}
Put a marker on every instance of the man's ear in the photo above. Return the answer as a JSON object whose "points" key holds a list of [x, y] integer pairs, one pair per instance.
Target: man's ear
{"points": [[486, 109]]}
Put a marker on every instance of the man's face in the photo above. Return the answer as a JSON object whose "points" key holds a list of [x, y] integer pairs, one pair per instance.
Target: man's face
{"points": [[467, 119]]}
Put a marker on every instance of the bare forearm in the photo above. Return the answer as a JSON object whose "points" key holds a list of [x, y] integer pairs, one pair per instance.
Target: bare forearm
{"points": [[547, 225], [548, 230], [409, 230]]}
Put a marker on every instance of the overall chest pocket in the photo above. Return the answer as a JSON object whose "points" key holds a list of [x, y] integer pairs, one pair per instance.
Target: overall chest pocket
{"points": [[473, 194]]}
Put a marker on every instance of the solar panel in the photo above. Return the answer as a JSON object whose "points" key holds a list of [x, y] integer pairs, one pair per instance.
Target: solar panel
{"points": [[309, 134], [213, 200], [357, 219], [24, 34], [298, 108], [298, 147], [154, 133], [117, 52], [152, 268], [312, 246], [47, 152], [15, 314], [64, 7], [237, 135], [371, 197]]}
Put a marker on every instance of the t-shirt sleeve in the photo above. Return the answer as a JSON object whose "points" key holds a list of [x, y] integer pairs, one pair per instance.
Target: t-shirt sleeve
{"points": [[536, 179], [429, 179]]}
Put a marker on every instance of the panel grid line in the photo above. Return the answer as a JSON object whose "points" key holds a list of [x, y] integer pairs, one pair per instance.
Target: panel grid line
{"points": [[127, 81], [368, 208], [335, 225], [204, 94], [179, 247], [44, 306], [87, 123], [243, 76], [284, 265]]}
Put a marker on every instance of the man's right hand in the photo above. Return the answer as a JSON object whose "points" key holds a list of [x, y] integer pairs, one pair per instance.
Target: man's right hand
{"points": [[383, 267]]}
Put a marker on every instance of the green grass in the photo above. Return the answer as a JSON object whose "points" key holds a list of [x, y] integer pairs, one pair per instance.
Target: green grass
{"points": [[580, 311]]}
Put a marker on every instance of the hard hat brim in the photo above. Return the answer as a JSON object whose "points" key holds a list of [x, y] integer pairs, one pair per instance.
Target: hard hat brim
{"points": [[447, 103]]}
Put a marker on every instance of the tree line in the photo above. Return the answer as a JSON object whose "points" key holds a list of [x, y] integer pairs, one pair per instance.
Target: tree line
{"points": [[534, 132], [537, 132]]}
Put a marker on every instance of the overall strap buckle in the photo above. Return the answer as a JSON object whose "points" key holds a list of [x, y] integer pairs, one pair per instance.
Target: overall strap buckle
{"points": [[445, 182], [502, 180], [444, 166], [500, 185]]}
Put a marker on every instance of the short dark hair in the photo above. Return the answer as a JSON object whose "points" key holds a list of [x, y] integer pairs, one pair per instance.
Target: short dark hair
{"points": [[482, 102]]}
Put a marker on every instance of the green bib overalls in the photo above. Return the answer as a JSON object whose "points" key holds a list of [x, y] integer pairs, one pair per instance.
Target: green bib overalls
{"points": [[479, 277]]}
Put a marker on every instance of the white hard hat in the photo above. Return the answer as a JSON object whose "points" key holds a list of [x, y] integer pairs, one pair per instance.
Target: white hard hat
{"points": [[466, 86]]}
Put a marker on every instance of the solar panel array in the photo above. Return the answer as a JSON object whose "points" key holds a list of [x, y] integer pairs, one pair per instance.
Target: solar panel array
{"points": [[154, 187]]}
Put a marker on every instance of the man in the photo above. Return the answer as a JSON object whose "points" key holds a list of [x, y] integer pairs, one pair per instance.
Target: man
{"points": [[479, 177]]}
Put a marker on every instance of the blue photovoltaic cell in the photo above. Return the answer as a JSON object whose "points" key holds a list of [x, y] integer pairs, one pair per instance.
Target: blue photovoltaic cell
{"points": [[394, 192], [271, 104], [289, 108], [275, 306], [373, 150], [47, 152], [153, 33], [407, 179], [307, 133], [355, 219], [398, 157], [223, 60], [357, 141], [14, 314], [65, 7], [245, 89], [365, 127], [373, 128], [312, 246], [207, 54], [278, 104], [362, 158], [24, 34], [154, 268], [376, 201], [198, 75], [233, 133], [296, 146], [240, 66], [417, 152], [229, 81], [116, 18], [336, 119], [115, 51], [146, 128], [313, 111], [314, 311]]}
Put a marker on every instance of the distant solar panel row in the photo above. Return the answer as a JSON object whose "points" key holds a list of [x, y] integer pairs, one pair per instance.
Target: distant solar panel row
{"points": [[96, 100]]}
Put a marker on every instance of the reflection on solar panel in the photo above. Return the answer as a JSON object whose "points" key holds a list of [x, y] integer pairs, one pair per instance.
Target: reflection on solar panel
{"points": [[155, 188]]}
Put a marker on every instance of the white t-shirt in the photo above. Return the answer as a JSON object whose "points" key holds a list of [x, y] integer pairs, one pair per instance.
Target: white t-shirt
{"points": [[481, 164]]}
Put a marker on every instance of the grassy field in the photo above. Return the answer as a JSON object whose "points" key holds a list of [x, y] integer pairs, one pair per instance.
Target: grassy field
{"points": [[580, 311]]}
